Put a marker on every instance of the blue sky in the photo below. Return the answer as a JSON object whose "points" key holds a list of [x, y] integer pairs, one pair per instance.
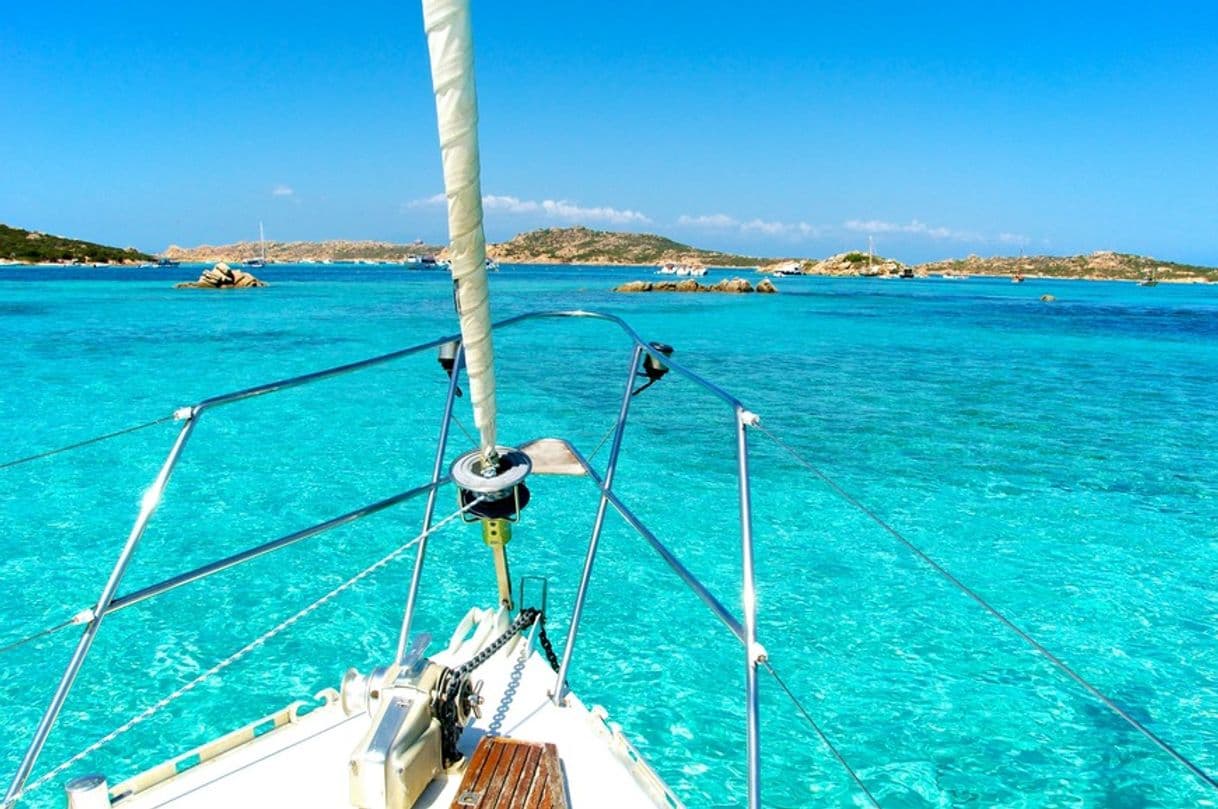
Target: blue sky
{"points": [[775, 128]]}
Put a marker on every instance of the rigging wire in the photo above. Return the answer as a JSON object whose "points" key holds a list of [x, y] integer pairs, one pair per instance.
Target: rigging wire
{"points": [[601, 443], [473, 441], [42, 633], [86, 442], [994, 612], [164, 702], [824, 738]]}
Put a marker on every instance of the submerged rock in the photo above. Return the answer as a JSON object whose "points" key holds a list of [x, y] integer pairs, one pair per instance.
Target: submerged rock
{"points": [[1048, 298], [733, 285], [222, 276]]}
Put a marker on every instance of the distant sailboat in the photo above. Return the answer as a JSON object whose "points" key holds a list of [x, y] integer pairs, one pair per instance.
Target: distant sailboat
{"points": [[871, 271], [261, 260]]}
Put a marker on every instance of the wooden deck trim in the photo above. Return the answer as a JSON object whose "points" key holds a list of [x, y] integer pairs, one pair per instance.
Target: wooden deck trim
{"points": [[512, 774]]}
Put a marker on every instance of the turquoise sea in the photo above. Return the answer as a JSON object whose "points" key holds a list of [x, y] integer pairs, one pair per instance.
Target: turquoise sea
{"points": [[1059, 458]]}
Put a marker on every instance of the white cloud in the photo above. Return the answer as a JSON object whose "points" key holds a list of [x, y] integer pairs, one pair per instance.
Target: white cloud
{"points": [[435, 200], [282, 190], [557, 209], [913, 227], [569, 210], [721, 221], [508, 204], [714, 220]]}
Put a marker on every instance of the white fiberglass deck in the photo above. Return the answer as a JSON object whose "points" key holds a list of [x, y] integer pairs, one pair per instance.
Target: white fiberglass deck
{"points": [[305, 763]]}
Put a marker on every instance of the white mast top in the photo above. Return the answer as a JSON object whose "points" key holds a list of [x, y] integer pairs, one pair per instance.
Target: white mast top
{"points": [[450, 43]]}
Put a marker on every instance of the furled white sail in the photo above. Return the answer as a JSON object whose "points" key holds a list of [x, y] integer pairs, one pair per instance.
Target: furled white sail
{"points": [[450, 42]]}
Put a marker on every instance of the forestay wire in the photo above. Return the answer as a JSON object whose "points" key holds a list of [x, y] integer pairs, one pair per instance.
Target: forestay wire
{"points": [[1061, 665], [161, 704]]}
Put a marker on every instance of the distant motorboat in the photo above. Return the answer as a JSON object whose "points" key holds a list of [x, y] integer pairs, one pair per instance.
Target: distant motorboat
{"points": [[1017, 278], [790, 268], [167, 262], [1149, 281], [426, 263], [907, 272]]}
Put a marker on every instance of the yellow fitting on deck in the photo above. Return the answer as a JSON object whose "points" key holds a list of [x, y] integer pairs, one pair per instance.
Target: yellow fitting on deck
{"points": [[497, 534]]}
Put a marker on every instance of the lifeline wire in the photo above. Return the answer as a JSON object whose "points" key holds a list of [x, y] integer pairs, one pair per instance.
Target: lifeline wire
{"points": [[822, 735], [993, 611], [155, 708], [86, 442]]}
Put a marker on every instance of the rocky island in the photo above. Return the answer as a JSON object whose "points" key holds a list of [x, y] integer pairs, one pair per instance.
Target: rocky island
{"points": [[581, 245], [222, 276], [733, 285], [330, 251]]}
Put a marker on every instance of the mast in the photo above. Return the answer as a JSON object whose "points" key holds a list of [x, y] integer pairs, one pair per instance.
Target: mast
{"points": [[261, 243], [450, 43], [870, 252]]}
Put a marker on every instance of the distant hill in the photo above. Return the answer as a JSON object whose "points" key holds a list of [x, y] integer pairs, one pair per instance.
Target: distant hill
{"points": [[1101, 265], [34, 247], [290, 252], [576, 245], [580, 245]]}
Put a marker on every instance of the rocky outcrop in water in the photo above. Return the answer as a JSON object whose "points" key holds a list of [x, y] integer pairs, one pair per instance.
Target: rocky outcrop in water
{"points": [[734, 285], [222, 276]]}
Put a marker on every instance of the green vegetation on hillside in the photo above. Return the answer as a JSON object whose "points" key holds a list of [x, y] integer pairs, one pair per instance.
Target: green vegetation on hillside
{"points": [[25, 245], [587, 246]]}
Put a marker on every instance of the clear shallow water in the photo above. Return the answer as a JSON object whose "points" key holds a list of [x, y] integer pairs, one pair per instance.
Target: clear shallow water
{"points": [[1059, 458]]}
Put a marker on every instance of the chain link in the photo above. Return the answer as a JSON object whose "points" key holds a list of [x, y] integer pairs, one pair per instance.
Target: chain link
{"points": [[452, 682]]}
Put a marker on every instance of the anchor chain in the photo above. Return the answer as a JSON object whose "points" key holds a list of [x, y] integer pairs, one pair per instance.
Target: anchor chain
{"points": [[453, 688]]}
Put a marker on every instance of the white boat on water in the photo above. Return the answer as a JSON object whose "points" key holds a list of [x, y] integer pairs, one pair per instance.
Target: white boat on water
{"points": [[427, 262], [788, 269], [260, 260], [687, 270]]}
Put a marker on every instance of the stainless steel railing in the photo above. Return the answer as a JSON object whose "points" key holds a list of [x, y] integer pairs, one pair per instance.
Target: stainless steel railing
{"points": [[744, 629]]}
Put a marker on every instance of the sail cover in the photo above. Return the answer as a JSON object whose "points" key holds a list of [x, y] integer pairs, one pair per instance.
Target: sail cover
{"points": [[450, 43]]}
